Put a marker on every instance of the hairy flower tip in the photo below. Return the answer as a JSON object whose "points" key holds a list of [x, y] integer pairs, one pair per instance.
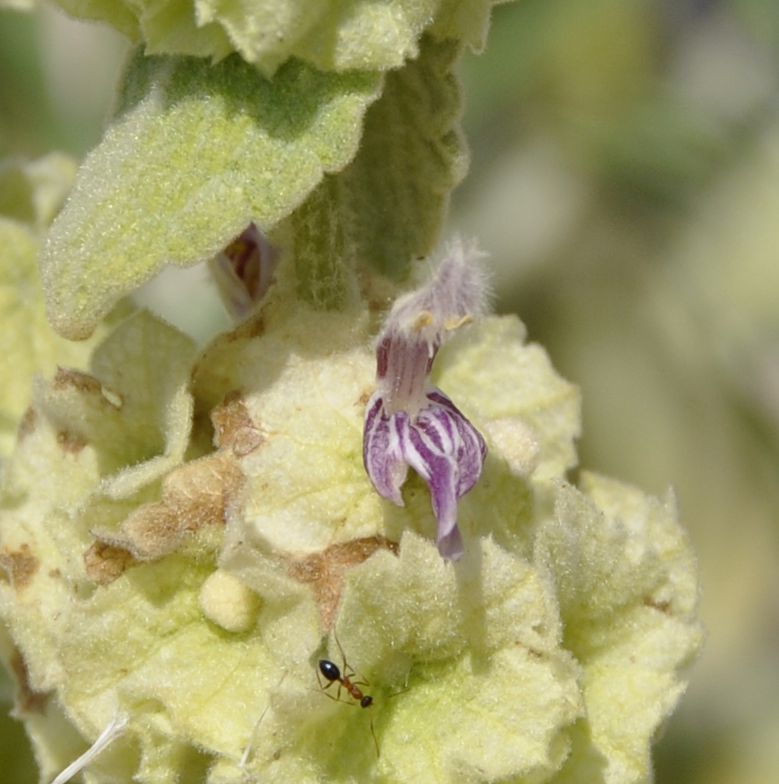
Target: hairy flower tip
{"points": [[420, 323], [408, 421], [456, 293]]}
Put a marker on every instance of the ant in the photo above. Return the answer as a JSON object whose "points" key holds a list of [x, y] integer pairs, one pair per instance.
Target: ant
{"points": [[343, 677], [333, 675]]}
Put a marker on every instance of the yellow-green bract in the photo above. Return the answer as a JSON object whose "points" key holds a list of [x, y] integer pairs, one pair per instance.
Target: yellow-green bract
{"points": [[31, 192], [331, 35], [186, 573]]}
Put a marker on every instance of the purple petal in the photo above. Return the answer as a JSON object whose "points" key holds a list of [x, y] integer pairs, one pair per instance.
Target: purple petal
{"points": [[441, 478], [382, 449], [440, 444], [451, 545], [471, 450], [447, 451]]}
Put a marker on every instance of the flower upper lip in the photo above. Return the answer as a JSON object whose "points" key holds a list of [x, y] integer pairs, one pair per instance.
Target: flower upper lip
{"points": [[408, 421]]}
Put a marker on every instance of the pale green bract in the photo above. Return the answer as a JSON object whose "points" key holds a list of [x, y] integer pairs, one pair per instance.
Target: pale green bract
{"points": [[18, 5], [331, 35], [190, 586], [31, 192]]}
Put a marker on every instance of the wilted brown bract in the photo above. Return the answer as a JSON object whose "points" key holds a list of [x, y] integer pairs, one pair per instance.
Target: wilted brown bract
{"points": [[193, 496], [27, 424], [234, 428], [70, 442], [21, 565], [326, 570], [104, 562], [27, 699]]}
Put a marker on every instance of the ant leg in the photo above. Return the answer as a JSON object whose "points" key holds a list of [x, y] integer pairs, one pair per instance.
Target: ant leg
{"points": [[325, 686], [322, 686], [334, 699], [338, 699], [375, 739], [343, 655], [348, 671]]}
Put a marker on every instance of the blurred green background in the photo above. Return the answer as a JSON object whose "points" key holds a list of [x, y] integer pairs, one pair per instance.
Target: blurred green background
{"points": [[625, 178]]}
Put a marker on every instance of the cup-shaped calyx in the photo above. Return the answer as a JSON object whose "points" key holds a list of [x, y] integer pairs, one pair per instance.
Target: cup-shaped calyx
{"points": [[409, 422]]}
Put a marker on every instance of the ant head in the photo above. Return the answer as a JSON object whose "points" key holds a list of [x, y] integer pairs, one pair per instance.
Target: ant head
{"points": [[329, 670], [366, 701]]}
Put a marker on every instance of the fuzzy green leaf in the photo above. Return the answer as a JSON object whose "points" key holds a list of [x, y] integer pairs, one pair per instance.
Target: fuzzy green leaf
{"points": [[468, 679], [320, 258], [627, 587], [31, 192], [194, 154]]}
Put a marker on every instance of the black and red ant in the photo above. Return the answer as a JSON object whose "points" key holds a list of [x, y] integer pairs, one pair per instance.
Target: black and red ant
{"points": [[344, 678]]}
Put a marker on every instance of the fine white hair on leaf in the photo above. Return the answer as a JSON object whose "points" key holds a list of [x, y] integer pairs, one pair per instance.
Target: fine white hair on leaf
{"points": [[250, 745], [115, 729], [456, 292]]}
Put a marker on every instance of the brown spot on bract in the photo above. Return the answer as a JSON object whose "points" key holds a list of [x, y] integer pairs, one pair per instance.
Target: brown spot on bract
{"points": [[532, 652], [378, 292], [325, 571], [105, 562], [20, 564], [83, 382], [70, 442], [255, 327], [66, 378], [362, 401], [27, 699], [661, 606], [233, 426], [193, 496], [27, 424], [252, 328]]}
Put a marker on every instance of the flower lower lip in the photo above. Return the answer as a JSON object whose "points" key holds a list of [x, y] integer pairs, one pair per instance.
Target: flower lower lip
{"points": [[440, 444]]}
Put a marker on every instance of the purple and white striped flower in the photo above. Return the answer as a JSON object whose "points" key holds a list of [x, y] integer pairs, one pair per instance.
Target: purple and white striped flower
{"points": [[408, 421]]}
